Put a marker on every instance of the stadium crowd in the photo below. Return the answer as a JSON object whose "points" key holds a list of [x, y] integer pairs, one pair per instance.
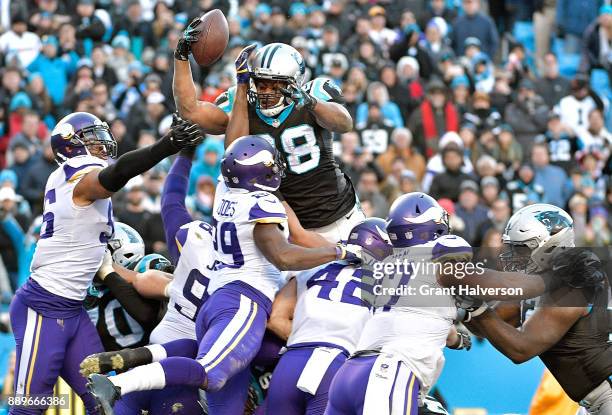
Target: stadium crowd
{"points": [[485, 106]]}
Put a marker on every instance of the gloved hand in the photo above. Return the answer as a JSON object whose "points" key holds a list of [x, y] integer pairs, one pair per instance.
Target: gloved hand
{"points": [[350, 253], [299, 97], [184, 133], [242, 66], [577, 267], [469, 307], [190, 35], [465, 340], [106, 267]]}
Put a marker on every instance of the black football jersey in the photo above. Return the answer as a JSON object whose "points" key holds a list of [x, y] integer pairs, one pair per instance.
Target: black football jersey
{"points": [[314, 186]]}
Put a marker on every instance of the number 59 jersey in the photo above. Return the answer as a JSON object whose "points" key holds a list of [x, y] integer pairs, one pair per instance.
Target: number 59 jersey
{"points": [[73, 238], [329, 309], [235, 214], [314, 186], [189, 287]]}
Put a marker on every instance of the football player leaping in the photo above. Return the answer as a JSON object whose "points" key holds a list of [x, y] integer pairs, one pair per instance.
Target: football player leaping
{"points": [[271, 100], [52, 330]]}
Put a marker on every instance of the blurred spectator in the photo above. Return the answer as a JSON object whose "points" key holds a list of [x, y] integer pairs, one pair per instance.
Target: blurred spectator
{"points": [[578, 209], [596, 137], [473, 213], [509, 151], [29, 135], [89, 27], [551, 178], [379, 96], [54, 69], [435, 116], [436, 41], [489, 186], [543, 25], [527, 115], [134, 211], [460, 86], [41, 101], [102, 106], [375, 131], [476, 24], [517, 65], [447, 183], [11, 233], [523, 190], [362, 161], [408, 76], [407, 44], [33, 183], [401, 148], [481, 70], [408, 182], [102, 71], [203, 198], [597, 39], [368, 189], [379, 33], [575, 108], [435, 164], [437, 8], [499, 214], [19, 46], [597, 232], [481, 114], [133, 25], [562, 144], [551, 86], [207, 163], [21, 159]]}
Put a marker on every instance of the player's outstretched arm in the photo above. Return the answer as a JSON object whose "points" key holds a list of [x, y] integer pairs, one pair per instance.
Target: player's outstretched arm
{"points": [[173, 210], [300, 236], [144, 311], [102, 183], [288, 257], [542, 330], [281, 317], [153, 284], [207, 115], [238, 125]]}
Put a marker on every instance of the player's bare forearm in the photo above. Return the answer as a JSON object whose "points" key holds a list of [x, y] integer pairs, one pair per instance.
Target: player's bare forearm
{"points": [[281, 317], [153, 284], [512, 285], [285, 256], [210, 118], [540, 332], [333, 116], [300, 236], [127, 274], [238, 125]]}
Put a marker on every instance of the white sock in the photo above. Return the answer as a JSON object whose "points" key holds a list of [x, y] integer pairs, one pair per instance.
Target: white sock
{"points": [[158, 352], [141, 378]]}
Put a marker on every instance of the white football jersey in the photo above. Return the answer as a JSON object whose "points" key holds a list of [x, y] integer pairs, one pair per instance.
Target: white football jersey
{"points": [[73, 238], [417, 327], [188, 289], [236, 213], [329, 308]]}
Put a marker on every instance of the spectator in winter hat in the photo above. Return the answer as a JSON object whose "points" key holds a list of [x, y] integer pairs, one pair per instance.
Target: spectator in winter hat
{"points": [[446, 184]]}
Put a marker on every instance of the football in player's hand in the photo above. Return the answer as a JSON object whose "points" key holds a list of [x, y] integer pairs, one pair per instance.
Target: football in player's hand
{"points": [[213, 38]]}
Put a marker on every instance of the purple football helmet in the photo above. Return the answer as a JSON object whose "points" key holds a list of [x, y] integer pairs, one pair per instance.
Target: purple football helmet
{"points": [[416, 218], [75, 132], [253, 164], [371, 236]]}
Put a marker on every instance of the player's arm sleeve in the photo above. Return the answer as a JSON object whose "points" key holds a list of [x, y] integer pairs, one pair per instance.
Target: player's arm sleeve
{"points": [[329, 112], [144, 311], [326, 90], [225, 101], [173, 210]]}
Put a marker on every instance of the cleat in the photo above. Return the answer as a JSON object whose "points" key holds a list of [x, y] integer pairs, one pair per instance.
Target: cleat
{"points": [[103, 363], [104, 392]]}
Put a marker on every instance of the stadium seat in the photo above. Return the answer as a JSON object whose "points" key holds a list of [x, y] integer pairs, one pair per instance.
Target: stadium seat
{"points": [[523, 32]]}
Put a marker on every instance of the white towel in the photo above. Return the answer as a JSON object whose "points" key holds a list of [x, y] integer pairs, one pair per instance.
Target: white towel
{"points": [[315, 369], [380, 383]]}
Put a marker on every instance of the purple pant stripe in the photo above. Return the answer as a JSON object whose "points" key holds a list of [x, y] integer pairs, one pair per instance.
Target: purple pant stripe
{"points": [[397, 370]]}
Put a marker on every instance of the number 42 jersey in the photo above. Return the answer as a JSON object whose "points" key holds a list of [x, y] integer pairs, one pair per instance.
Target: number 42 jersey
{"points": [[73, 238], [314, 186]]}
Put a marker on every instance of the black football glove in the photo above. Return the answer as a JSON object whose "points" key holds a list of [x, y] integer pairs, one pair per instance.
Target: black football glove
{"points": [[300, 97], [578, 267], [184, 133], [469, 307], [190, 35]]}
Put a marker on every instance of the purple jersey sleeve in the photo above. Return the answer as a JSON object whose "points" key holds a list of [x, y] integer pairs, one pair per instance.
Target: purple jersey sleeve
{"points": [[173, 210]]}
